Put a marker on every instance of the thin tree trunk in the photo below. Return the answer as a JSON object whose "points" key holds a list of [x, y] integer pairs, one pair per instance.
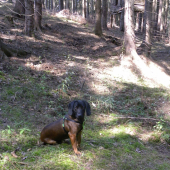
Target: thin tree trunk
{"points": [[148, 18], [166, 15], [38, 14], [98, 29], [87, 8], [122, 17], [73, 6], [61, 5], [104, 14], [83, 9], [67, 4], [160, 19], [29, 17], [154, 15], [92, 9], [129, 35]]}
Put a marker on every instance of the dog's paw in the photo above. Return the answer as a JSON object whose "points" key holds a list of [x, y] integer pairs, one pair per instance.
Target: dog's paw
{"points": [[78, 153]]}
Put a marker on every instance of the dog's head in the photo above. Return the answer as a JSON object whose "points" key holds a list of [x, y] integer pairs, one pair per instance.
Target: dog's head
{"points": [[77, 108]]}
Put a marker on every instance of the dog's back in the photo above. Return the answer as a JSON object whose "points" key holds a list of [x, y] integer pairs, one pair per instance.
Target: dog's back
{"points": [[53, 131]]}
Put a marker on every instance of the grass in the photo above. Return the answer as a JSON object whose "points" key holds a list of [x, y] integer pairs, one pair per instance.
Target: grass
{"points": [[107, 142]]}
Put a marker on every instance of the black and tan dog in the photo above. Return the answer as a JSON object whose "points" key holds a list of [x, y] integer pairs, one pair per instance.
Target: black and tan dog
{"points": [[68, 127]]}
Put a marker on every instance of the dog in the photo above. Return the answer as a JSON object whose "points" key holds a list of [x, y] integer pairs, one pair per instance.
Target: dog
{"points": [[70, 126]]}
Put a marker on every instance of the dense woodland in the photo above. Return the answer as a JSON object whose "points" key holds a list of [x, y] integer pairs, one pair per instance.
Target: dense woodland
{"points": [[115, 54], [148, 17]]}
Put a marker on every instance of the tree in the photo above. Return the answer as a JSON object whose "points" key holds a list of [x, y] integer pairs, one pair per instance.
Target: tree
{"points": [[154, 15], [83, 9], [148, 19], [129, 35], [67, 4], [160, 16], [98, 29], [19, 8], [73, 6], [122, 17], [29, 17], [87, 8], [38, 14], [61, 5], [104, 14], [92, 9]]}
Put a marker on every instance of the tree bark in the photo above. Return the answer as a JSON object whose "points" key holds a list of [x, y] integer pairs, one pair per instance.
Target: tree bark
{"points": [[104, 14], [92, 9], [29, 17], [83, 8], [155, 15], [98, 29], [67, 4], [38, 14], [87, 8], [73, 6], [122, 17], [19, 8], [61, 5], [160, 16], [129, 35], [166, 15], [148, 18]]}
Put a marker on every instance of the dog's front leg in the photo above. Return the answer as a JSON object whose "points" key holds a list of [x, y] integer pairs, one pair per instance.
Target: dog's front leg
{"points": [[79, 139], [74, 143]]}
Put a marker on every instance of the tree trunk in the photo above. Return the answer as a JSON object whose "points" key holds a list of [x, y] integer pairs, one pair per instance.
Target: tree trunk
{"points": [[166, 15], [129, 35], [92, 9], [67, 4], [104, 14], [29, 17], [122, 17], [38, 14], [73, 6], [61, 5], [51, 5], [87, 8], [19, 8], [160, 16], [98, 29], [76, 4], [155, 15], [148, 18], [169, 25], [83, 9]]}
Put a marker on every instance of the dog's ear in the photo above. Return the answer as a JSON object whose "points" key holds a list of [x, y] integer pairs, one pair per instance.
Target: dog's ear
{"points": [[88, 109], [70, 108]]}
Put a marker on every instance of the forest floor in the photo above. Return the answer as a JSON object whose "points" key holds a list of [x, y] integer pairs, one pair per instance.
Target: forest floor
{"points": [[129, 125]]}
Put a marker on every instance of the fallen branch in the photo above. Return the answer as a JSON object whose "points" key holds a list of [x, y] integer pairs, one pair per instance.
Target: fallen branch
{"points": [[22, 163], [140, 118]]}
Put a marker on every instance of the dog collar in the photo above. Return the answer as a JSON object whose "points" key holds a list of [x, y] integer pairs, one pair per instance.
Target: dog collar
{"points": [[66, 118]]}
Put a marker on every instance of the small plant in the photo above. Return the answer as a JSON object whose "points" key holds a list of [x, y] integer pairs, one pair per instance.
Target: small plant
{"points": [[23, 130], [160, 125]]}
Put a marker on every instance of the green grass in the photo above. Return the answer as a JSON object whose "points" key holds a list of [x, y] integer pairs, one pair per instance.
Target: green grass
{"points": [[107, 142]]}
